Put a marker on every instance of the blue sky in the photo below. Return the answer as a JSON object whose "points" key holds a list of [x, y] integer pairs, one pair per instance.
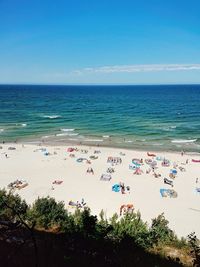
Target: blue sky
{"points": [[105, 41]]}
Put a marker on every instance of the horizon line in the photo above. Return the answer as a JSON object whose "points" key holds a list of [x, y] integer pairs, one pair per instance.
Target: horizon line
{"points": [[98, 84]]}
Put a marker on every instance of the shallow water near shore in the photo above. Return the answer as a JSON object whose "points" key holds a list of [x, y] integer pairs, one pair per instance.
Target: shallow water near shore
{"points": [[164, 117]]}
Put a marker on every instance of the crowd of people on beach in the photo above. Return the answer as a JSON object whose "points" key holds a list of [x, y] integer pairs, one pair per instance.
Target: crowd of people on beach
{"points": [[149, 165]]}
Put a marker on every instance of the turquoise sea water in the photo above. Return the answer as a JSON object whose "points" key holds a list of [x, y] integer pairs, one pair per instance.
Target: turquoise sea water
{"points": [[164, 117]]}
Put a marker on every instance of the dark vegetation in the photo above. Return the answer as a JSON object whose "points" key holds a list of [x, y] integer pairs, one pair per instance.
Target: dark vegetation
{"points": [[46, 234]]}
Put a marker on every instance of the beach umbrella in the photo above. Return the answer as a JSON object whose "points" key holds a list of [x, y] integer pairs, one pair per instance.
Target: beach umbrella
{"points": [[173, 171]]}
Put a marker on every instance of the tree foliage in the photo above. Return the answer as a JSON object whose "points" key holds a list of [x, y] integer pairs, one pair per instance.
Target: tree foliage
{"points": [[11, 206], [159, 231], [47, 213], [87, 234]]}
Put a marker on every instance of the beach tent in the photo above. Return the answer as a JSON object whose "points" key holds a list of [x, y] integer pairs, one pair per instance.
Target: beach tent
{"points": [[168, 193], [138, 171], [198, 189], [136, 162], [105, 177], [116, 188], [173, 171], [70, 149], [132, 167], [165, 163]]}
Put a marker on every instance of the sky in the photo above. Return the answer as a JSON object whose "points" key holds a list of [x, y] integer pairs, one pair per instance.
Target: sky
{"points": [[99, 42]]}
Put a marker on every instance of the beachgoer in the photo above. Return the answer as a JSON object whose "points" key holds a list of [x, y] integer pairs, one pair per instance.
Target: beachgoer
{"points": [[197, 179], [83, 203], [128, 189], [182, 153], [6, 155], [122, 188], [187, 161]]}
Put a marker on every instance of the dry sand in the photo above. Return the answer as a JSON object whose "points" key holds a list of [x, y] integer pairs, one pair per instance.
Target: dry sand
{"points": [[29, 163]]}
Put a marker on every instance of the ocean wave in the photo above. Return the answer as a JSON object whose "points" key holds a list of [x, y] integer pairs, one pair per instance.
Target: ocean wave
{"points": [[1, 130], [157, 144], [106, 136], [67, 130], [19, 124], [128, 141], [140, 140], [184, 141], [67, 134], [52, 116], [93, 140], [169, 128]]}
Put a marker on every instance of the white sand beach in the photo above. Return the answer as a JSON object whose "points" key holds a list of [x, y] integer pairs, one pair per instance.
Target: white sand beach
{"points": [[29, 162]]}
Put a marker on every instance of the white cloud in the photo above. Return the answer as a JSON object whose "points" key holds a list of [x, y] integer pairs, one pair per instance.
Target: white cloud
{"points": [[138, 68]]}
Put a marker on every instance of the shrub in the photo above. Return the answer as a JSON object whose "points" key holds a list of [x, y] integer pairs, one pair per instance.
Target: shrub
{"points": [[159, 231], [46, 212], [195, 245], [85, 222], [131, 225], [11, 206]]}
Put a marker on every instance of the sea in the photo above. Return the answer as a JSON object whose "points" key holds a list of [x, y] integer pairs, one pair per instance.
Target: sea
{"points": [[144, 117]]}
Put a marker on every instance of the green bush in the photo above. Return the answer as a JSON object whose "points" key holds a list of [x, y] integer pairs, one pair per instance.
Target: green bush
{"points": [[195, 248], [159, 231], [85, 222], [131, 225], [47, 213], [12, 206]]}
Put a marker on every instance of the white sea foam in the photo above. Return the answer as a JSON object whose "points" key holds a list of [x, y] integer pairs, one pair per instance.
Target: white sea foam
{"points": [[21, 124], [184, 141], [169, 128], [73, 134], [128, 141], [1, 130], [61, 134], [93, 140], [52, 116], [106, 136], [67, 130], [67, 134]]}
